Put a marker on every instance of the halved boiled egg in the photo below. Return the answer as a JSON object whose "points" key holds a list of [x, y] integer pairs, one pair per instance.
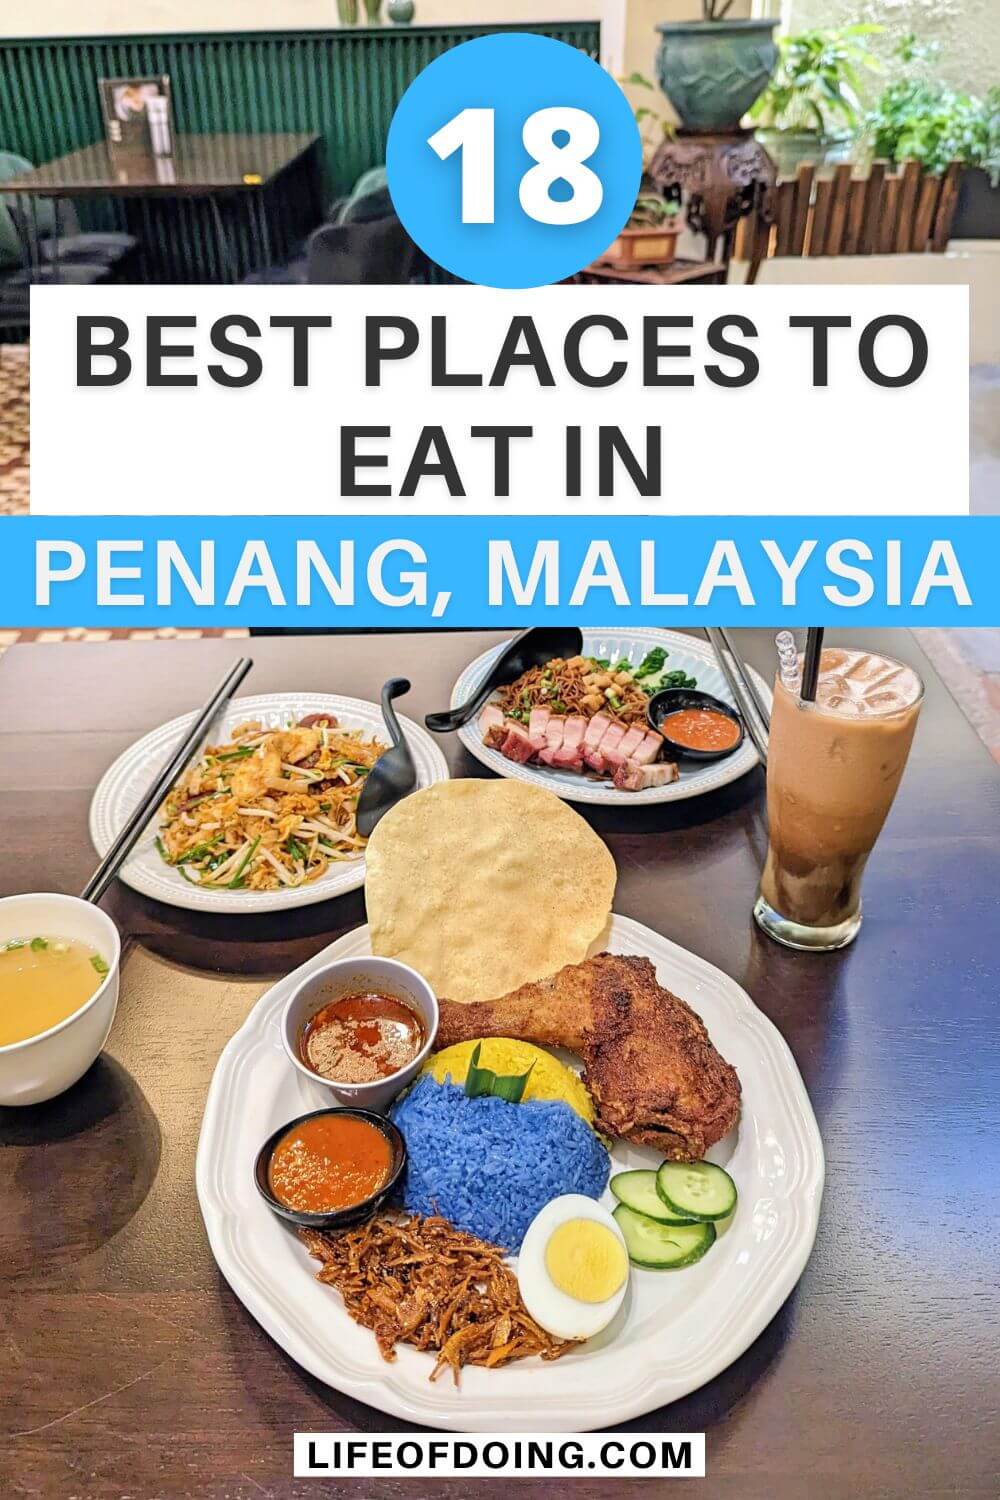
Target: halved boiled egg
{"points": [[572, 1268]]}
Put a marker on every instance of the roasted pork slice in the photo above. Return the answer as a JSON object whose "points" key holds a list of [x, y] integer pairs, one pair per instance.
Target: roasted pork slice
{"points": [[490, 718], [568, 757], [633, 776], [649, 1063], [649, 749], [537, 720], [574, 730], [517, 746], [633, 739], [494, 736], [554, 731], [596, 730], [595, 761], [611, 745]]}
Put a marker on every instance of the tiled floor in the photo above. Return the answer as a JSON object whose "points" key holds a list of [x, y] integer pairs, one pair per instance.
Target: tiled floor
{"points": [[13, 430]]}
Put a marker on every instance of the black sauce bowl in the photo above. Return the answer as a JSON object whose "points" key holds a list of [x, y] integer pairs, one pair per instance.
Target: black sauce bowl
{"points": [[671, 700], [339, 1218]]}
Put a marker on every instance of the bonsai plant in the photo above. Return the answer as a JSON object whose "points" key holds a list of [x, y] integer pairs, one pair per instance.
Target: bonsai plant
{"points": [[811, 108], [712, 70], [650, 236]]}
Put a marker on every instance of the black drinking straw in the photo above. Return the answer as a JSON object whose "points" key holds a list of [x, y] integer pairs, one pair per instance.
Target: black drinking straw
{"points": [[810, 667]]}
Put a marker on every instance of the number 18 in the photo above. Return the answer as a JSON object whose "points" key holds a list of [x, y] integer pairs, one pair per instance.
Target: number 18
{"points": [[472, 133]]}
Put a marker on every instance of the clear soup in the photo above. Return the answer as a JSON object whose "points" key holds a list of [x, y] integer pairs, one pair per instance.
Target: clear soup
{"points": [[43, 980]]}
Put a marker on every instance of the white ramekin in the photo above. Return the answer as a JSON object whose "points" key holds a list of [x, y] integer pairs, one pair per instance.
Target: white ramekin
{"points": [[47, 1064], [349, 976]]}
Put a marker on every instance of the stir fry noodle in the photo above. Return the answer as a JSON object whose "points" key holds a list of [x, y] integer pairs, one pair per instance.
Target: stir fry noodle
{"points": [[271, 808], [589, 685]]}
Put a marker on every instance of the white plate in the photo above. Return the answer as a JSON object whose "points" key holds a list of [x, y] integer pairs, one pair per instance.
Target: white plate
{"points": [[123, 784], [687, 653], [675, 1331]]}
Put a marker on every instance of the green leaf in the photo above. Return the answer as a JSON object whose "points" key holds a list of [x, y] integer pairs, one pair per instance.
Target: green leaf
{"points": [[38, 944], [483, 1082]]}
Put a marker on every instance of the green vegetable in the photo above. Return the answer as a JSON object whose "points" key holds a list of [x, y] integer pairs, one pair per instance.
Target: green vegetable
{"points": [[558, 706], [698, 1189], [601, 662], [662, 1247], [98, 963], [161, 850], [38, 944], [240, 754], [480, 1082], [237, 880], [652, 676], [295, 849], [199, 851], [637, 1190], [651, 662]]}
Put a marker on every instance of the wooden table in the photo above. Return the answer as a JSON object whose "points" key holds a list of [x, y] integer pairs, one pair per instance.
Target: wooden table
{"points": [[130, 1369], [231, 167]]}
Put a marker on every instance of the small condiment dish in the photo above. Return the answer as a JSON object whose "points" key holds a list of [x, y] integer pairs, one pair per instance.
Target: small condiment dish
{"points": [[42, 1066], [339, 1218], [349, 976], [671, 701]]}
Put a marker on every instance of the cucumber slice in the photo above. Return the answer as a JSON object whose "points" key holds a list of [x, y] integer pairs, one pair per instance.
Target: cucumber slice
{"points": [[662, 1247], [637, 1190], [697, 1189]]}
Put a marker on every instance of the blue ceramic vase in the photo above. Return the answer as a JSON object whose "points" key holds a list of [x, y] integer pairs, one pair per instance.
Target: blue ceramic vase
{"points": [[712, 71]]}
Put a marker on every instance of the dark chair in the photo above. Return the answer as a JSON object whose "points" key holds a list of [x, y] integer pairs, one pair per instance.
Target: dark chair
{"points": [[59, 237], [377, 253]]}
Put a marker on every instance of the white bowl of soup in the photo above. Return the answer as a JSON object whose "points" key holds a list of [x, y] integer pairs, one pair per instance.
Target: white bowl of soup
{"points": [[59, 963]]}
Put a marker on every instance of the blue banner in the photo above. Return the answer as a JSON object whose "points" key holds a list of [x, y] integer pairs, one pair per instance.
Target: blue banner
{"points": [[411, 572]]}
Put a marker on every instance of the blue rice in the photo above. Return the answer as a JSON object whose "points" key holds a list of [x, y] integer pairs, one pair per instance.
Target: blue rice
{"points": [[488, 1166]]}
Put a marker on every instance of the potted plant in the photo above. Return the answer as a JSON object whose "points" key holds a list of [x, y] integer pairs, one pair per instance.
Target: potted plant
{"points": [[650, 236], [712, 70], [811, 108], [920, 118], [977, 213]]}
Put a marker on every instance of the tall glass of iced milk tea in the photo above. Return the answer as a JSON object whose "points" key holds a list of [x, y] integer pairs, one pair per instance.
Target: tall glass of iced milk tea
{"points": [[832, 772]]}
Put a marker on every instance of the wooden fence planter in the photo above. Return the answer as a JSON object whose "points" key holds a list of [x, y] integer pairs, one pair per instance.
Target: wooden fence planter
{"points": [[887, 212]]}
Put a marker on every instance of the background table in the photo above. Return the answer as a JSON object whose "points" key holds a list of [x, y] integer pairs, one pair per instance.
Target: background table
{"points": [[239, 168], [129, 1368]]}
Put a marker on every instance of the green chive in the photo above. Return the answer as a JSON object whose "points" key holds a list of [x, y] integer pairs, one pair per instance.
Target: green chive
{"points": [[98, 963], [237, 881], [37, 944]]}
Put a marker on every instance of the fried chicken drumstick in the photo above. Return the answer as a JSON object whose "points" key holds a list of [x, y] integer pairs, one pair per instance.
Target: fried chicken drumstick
{"points": [[649, 1063]]}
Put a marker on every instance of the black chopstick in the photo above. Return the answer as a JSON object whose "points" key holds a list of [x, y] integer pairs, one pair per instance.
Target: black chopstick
{"points": [[746, 698], [154, 794]]}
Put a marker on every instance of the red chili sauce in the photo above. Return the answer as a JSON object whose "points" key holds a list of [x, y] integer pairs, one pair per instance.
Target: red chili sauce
{"points": [[361, 1038], [329, 1162], [700, 729]]}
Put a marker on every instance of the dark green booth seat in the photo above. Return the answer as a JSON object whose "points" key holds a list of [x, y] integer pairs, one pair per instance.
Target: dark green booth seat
{"points": [[342, 84]]}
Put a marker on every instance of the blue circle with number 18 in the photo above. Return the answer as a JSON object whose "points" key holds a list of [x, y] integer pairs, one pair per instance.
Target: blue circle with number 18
{"points": [[514, 160]]}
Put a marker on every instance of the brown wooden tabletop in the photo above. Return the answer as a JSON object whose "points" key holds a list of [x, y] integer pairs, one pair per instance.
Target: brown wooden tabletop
{"points": [[128, 1367], [211, 163]]}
